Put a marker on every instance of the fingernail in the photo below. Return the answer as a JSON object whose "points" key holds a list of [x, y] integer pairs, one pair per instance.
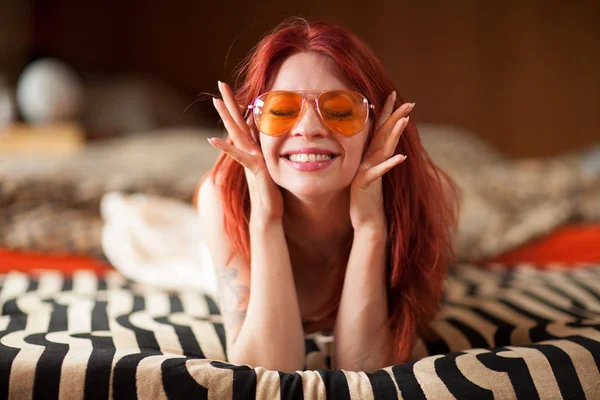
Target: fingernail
{"points": [[394, 95], [215, 101], [219, 84], [209, 140], [412, 105], [407, 119]]}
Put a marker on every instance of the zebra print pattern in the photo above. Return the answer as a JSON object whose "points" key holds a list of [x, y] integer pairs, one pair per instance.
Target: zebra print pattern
{"points": [[519, 333]]}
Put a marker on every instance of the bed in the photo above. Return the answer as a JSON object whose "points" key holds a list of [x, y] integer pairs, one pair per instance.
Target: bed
{"points": [[521, 333], [72, 326]]}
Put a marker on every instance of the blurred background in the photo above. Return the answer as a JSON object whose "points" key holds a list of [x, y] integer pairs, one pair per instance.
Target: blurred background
{"points": [[523, 75], [99, 97]]}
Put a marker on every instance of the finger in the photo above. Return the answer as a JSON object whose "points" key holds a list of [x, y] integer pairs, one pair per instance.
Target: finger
{"points": [[379, 170], [241, 139], [400, 112], [238, 155], [389, 147], [392, 140], [387, 109], [232, 106], [389, 123]]}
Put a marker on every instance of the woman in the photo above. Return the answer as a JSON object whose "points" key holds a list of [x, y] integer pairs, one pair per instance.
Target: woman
{"points": [[324, 212]]}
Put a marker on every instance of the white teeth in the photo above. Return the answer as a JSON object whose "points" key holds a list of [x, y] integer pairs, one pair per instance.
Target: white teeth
{"points": [[309, 157]]}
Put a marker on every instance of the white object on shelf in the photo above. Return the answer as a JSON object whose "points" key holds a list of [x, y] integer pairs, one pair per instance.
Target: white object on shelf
{"points": [[49, 90]]}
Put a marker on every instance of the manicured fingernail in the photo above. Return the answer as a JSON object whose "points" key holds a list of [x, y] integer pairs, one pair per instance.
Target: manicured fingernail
{"points": [[393, 95], [412, 105], [407, 119], [215, 102], [403, 157], [219, 83]]}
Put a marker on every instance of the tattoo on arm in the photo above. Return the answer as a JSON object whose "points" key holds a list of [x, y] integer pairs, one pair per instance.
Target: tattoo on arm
{"points": [[233, 298]]}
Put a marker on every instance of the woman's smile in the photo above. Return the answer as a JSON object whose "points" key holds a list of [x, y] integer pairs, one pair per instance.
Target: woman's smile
{"points": [[309, 162], [309, 158]]}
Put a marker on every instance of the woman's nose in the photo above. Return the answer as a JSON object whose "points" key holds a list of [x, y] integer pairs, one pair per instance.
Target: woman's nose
{"points": [[310, 124]]}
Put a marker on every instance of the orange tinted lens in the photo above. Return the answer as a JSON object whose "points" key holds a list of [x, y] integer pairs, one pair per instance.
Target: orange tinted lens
{"points": [[344, 112], [276, 112]]}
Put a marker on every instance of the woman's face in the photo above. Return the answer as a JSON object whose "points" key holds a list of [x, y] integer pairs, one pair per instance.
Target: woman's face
{"points": [[312, 71]]}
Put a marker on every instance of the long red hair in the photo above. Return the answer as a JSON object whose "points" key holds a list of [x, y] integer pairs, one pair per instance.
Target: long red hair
{"points": [[420, 200]]}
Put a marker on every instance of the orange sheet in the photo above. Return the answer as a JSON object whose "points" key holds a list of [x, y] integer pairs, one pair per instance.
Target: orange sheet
{"points": [[577, 243], [569, 244], [31, 262]]}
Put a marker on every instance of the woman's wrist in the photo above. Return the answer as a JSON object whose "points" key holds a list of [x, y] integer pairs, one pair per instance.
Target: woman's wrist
{"points": [[371, 231], [262, 221], [372, 226]]}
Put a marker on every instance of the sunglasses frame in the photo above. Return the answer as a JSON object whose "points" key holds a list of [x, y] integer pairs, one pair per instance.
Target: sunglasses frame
{"points": [[312, 96]]}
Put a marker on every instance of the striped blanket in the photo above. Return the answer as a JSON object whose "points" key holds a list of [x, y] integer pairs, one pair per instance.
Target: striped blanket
{"points": [[506, 333]]}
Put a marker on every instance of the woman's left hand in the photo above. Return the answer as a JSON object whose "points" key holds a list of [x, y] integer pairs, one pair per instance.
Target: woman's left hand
{"points": [[366, 192]]}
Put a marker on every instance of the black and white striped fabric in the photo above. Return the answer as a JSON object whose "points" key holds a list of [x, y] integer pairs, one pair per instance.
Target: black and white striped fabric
{"points": [[519, 333]]}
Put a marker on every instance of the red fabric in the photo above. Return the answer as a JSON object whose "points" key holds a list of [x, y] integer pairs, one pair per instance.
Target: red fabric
{"points": [[568, 244], [29, 262]]}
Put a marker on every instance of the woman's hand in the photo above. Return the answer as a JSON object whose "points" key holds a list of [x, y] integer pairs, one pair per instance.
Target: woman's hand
{"points": [[366, 193], [265, 195]]}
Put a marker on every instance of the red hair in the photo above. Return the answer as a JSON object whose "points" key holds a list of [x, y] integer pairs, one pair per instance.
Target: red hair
{"points": [[419, 198]]}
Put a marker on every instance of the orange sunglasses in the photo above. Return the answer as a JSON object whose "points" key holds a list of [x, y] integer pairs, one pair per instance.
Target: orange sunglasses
{"points": [[343, 111]]}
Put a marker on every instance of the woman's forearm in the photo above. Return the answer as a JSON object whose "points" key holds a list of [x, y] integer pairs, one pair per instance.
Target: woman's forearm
{"points": [[362, 334], [271, 335]]}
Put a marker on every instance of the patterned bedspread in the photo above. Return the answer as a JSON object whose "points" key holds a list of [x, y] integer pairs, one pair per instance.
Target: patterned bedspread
{"points": [[505, 333]]}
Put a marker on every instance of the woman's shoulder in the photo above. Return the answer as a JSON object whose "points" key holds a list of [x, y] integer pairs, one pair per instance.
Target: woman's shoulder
{"points": [[208, 190], [209, 208], [209, 205]]}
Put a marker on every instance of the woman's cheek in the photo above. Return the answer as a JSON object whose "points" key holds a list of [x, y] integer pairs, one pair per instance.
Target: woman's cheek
{"points": [[355, 165], [272, 165], [271, 159]]}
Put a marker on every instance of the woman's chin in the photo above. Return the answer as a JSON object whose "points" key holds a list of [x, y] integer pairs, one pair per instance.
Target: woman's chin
{"points": [[313, 184], [311, 187]]}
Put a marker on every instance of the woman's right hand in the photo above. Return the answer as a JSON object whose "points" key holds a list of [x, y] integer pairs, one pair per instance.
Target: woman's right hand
{"points": [[265, 196]]}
